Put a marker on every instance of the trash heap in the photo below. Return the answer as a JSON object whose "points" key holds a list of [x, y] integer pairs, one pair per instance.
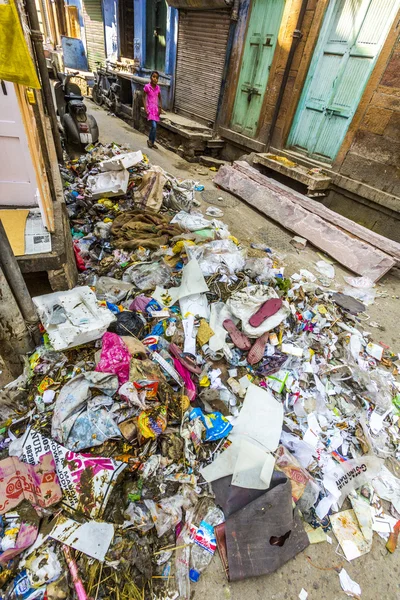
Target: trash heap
{"points": [[189, 396]]}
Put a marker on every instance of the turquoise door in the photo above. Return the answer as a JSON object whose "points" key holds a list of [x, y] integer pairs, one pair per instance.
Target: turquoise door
{"points": [[262, 33], [348, 46]]}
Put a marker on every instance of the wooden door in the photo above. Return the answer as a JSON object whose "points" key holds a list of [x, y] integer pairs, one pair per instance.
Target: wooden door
{"points": [[261, 38], [18, 186], [350, 41]]}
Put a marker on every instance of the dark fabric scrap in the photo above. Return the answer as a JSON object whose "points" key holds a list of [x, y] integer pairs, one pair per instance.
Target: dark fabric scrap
{"points": [[262, 532]]}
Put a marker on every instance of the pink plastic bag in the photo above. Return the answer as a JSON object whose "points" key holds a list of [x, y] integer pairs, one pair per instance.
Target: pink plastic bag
{"points": [[190, 387], [115, 357]]}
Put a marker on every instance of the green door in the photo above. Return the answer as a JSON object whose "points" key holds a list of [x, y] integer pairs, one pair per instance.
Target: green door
{"points": [[262, 33], [348, 46]]}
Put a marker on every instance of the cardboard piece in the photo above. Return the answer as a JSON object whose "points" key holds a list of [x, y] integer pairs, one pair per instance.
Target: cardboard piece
{"points": [[121, 161], [38, 484], [14, 223], [279, 204]]}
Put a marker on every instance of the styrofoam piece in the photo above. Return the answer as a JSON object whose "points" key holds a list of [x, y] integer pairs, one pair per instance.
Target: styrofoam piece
{"points": [[108, 184], [121, 161], [86, 320]]}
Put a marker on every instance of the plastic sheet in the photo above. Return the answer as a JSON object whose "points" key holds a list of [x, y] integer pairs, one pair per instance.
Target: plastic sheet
{"points": [[147, 276]]}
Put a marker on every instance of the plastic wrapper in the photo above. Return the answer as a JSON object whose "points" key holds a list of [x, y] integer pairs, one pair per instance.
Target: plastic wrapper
{"points": [[293, 470], [114, 358], [216, 425], [218, 256], [152, 422], [147, 276], [112, 290], [139, 517], [166, 514]]}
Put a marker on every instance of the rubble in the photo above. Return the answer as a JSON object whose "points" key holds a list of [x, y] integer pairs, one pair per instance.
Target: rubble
{"points": [[188, 396]]}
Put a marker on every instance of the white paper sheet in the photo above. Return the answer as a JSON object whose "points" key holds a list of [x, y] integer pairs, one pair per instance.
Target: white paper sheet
{"points": [[93, 538], [350, 587], [190, 339], [192, 282], [223, 465], [196, 304], [253, 461], [260, 419]]}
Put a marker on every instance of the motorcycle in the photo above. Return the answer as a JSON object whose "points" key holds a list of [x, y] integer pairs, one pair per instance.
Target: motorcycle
{"points": [[106, 88], [79, 128]]}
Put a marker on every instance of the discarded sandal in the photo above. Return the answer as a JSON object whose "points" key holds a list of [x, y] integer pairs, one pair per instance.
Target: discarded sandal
{"points": [[240, 340], [269, 308], [257, 351], [187, 360]]}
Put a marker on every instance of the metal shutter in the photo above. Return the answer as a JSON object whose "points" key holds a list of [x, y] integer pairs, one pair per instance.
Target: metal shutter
{"points": [[202, 40], [94, 30]]}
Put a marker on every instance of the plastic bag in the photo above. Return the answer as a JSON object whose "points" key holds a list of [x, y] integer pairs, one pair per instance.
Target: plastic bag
{"points": [[218, 256], [115, 357], [166, 514], [112, 290], [181, 196], [147, 276], [127, 323], [259, 268], [138, 516], [191, 221], [325, 269]]}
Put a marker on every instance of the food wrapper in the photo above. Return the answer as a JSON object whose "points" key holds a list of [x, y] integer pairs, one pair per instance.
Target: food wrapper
{"points": [[153, 422]]}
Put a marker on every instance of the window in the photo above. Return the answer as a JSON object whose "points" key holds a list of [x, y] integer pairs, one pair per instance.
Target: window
{"points": [[156, 31]]}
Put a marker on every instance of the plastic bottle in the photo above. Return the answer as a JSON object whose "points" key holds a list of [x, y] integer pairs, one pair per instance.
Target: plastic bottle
{"points": [[205, 544]]}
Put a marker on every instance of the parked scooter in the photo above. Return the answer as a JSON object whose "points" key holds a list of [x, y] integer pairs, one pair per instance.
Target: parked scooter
{"points": [[80, 129]]}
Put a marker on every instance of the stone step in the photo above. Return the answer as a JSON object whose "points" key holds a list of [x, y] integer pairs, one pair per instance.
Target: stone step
{"points": [[315, 179]]}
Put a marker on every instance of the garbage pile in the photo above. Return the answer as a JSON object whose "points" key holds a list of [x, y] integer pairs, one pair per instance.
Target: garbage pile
{"points": [[189, 396]]}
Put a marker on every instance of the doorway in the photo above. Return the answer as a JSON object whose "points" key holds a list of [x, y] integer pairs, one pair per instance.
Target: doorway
{"points": [[126, 28], [261, 39], [351, 38]]}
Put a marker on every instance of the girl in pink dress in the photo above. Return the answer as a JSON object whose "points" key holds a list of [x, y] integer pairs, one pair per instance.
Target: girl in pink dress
{"points": [[153, 106]]}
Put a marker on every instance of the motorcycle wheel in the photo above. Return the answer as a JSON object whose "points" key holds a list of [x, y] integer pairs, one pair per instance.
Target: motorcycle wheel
{"points": [[97, 96]]}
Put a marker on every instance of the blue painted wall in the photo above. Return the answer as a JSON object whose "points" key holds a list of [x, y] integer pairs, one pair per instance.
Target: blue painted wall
{"points": [[78, 4], [111, 28]]}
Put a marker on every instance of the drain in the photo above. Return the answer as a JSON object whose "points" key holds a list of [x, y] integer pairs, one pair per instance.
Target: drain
{"points": [[219, 198]]}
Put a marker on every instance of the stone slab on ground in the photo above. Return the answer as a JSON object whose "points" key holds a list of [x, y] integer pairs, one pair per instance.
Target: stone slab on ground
{"points": [[277, 203]]}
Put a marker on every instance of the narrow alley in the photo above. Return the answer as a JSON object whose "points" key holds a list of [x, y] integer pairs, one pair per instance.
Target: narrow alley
{"points": [[199, 299]]}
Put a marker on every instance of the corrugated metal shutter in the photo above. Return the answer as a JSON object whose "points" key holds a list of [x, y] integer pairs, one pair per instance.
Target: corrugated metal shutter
{"points": [[202, 39], [94, 30]]}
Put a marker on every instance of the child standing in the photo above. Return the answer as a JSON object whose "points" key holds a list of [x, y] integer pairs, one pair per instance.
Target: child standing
{"points": [[153, 106]]}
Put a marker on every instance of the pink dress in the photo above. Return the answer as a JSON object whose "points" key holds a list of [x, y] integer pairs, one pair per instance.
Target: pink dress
{"points": [[152, 101]]}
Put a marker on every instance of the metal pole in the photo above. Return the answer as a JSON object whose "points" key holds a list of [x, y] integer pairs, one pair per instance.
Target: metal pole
{"points": [[13, 329], [37, 41], [17, 284]]}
